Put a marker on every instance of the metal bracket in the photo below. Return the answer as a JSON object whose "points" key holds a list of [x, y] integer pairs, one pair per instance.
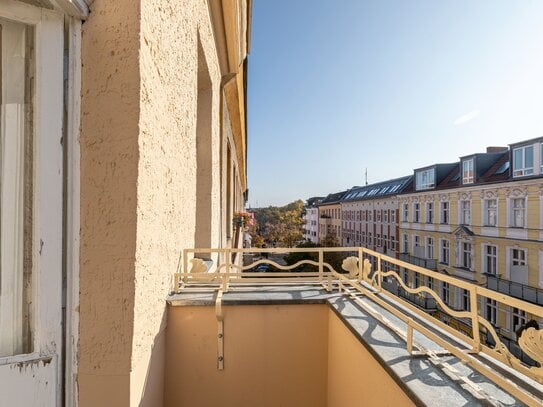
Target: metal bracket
{"points": [[220, 330]]}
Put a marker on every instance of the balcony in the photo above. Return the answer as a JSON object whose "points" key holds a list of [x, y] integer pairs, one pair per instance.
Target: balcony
{"points": [[311, 334], [430, 264], [517, 290]]}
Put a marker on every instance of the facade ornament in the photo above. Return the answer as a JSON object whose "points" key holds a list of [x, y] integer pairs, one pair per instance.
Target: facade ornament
{"points": [[198, 266], [489, 194], [465, 196], [516, 192], [444, 197], [350, 264], [531, 342]]}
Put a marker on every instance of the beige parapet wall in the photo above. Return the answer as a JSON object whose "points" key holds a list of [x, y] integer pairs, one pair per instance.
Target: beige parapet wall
{"points": [[274, 355]]}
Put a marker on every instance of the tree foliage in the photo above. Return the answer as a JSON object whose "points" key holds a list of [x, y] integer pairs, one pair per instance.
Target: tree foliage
{"points": [[279, 226]]}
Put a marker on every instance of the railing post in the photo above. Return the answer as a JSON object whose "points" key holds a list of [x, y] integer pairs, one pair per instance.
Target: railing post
{"points": [[360, 264], [474, 309], [379, 272], [321, 266], [185, 263], [226, 277], [409, 339]]}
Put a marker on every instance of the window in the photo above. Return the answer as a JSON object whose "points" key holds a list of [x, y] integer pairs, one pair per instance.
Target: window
{"points": [[430, 212], [406, 276], [385, 215], [491, 212], [466, 255], [364, 238], [541, 158], [465, 300], [370, 239], [393, 216], [429, 248], [467, 171], [416, 281], [378, 240], [517, 212], [445, 213], [518, 257], [416, 243], [425, 179], [491, 259], [416, 212], [523, 161], [378, 215], [518, 318], [392, 244], [370, 216], [405, 217], [465, 212], [430, 283], [445, 246], [445, 292], [16, 195], [491, 311], [405, 248]]}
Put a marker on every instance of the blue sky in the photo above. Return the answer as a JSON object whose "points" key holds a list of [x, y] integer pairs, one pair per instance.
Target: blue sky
{"points": [[337, 86]]}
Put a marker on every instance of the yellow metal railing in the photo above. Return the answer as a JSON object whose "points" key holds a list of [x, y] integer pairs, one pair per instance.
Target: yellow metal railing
{"points": [[363, 272]]}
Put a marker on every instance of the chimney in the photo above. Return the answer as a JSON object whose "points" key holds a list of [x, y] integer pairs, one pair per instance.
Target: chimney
{"points": [[496, 149]]}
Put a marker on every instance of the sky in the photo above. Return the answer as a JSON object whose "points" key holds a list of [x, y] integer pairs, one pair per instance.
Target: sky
{"points": [[338, 86]]}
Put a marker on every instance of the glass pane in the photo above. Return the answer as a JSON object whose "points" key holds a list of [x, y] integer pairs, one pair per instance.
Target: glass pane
{"points": [[15, 186], [517, 159], [529, 157]]}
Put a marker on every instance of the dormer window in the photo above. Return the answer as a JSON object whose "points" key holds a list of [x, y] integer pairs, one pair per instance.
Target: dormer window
{"points": [[425, 179], [523, 161], [467, 171]]}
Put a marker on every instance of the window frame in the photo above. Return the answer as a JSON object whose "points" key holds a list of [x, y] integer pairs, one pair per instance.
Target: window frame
{"points": [[513, 212], [425, 179], [468, 178], [48, 178], [444, 213], [429, 212], [444, 249], [465, 212], [487, 210], [522, 171]]}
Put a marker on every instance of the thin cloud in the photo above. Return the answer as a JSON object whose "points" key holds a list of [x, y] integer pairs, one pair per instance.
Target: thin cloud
{"points": [[466, 117]]}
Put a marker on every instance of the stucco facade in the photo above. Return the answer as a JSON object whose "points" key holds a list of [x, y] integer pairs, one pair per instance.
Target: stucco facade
{"points": [[161, 168]]}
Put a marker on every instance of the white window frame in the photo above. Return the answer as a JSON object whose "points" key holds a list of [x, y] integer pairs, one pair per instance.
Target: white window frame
{"points": [[466, 255], [517, 315], [429, 212], [488, 210], [491, 311], [520, 260], [405, 212], [405, 243], [425, 179], [47, 191], [416, 212], [467, 171], [513, 209], [464, 212], [393, 216], [444, 208], [522, 170], [444, 247], [429, 247], [490, 258], [445, 292]]}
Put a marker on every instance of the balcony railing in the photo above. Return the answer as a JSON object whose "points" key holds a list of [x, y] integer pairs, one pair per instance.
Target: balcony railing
{"points": [[356, 276], [429, 264], [517, 290]]}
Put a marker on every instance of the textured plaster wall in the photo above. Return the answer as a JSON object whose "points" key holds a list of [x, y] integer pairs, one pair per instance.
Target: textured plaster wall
{"points": [[138, 185], [109, 169], [166, 193]]}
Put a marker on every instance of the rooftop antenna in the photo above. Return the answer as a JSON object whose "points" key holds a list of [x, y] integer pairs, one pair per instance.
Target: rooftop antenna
{"points": [[366, 174]]}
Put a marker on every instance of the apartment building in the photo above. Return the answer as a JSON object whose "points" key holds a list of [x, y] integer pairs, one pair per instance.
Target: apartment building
{"points": [[311, 218], [370, 216], [330, 222], [480, 220]]}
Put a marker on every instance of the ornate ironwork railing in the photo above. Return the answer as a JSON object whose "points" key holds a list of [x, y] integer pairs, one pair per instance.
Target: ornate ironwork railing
{"points": [[365, 271]]}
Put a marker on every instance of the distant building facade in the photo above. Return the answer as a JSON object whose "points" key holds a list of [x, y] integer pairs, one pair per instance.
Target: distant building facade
{"points": [[311, 217], [330, 222], [370, 216]]}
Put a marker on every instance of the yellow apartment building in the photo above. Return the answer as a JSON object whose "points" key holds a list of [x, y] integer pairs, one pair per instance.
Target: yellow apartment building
{"points": [[330, 217], [479, 220]]}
